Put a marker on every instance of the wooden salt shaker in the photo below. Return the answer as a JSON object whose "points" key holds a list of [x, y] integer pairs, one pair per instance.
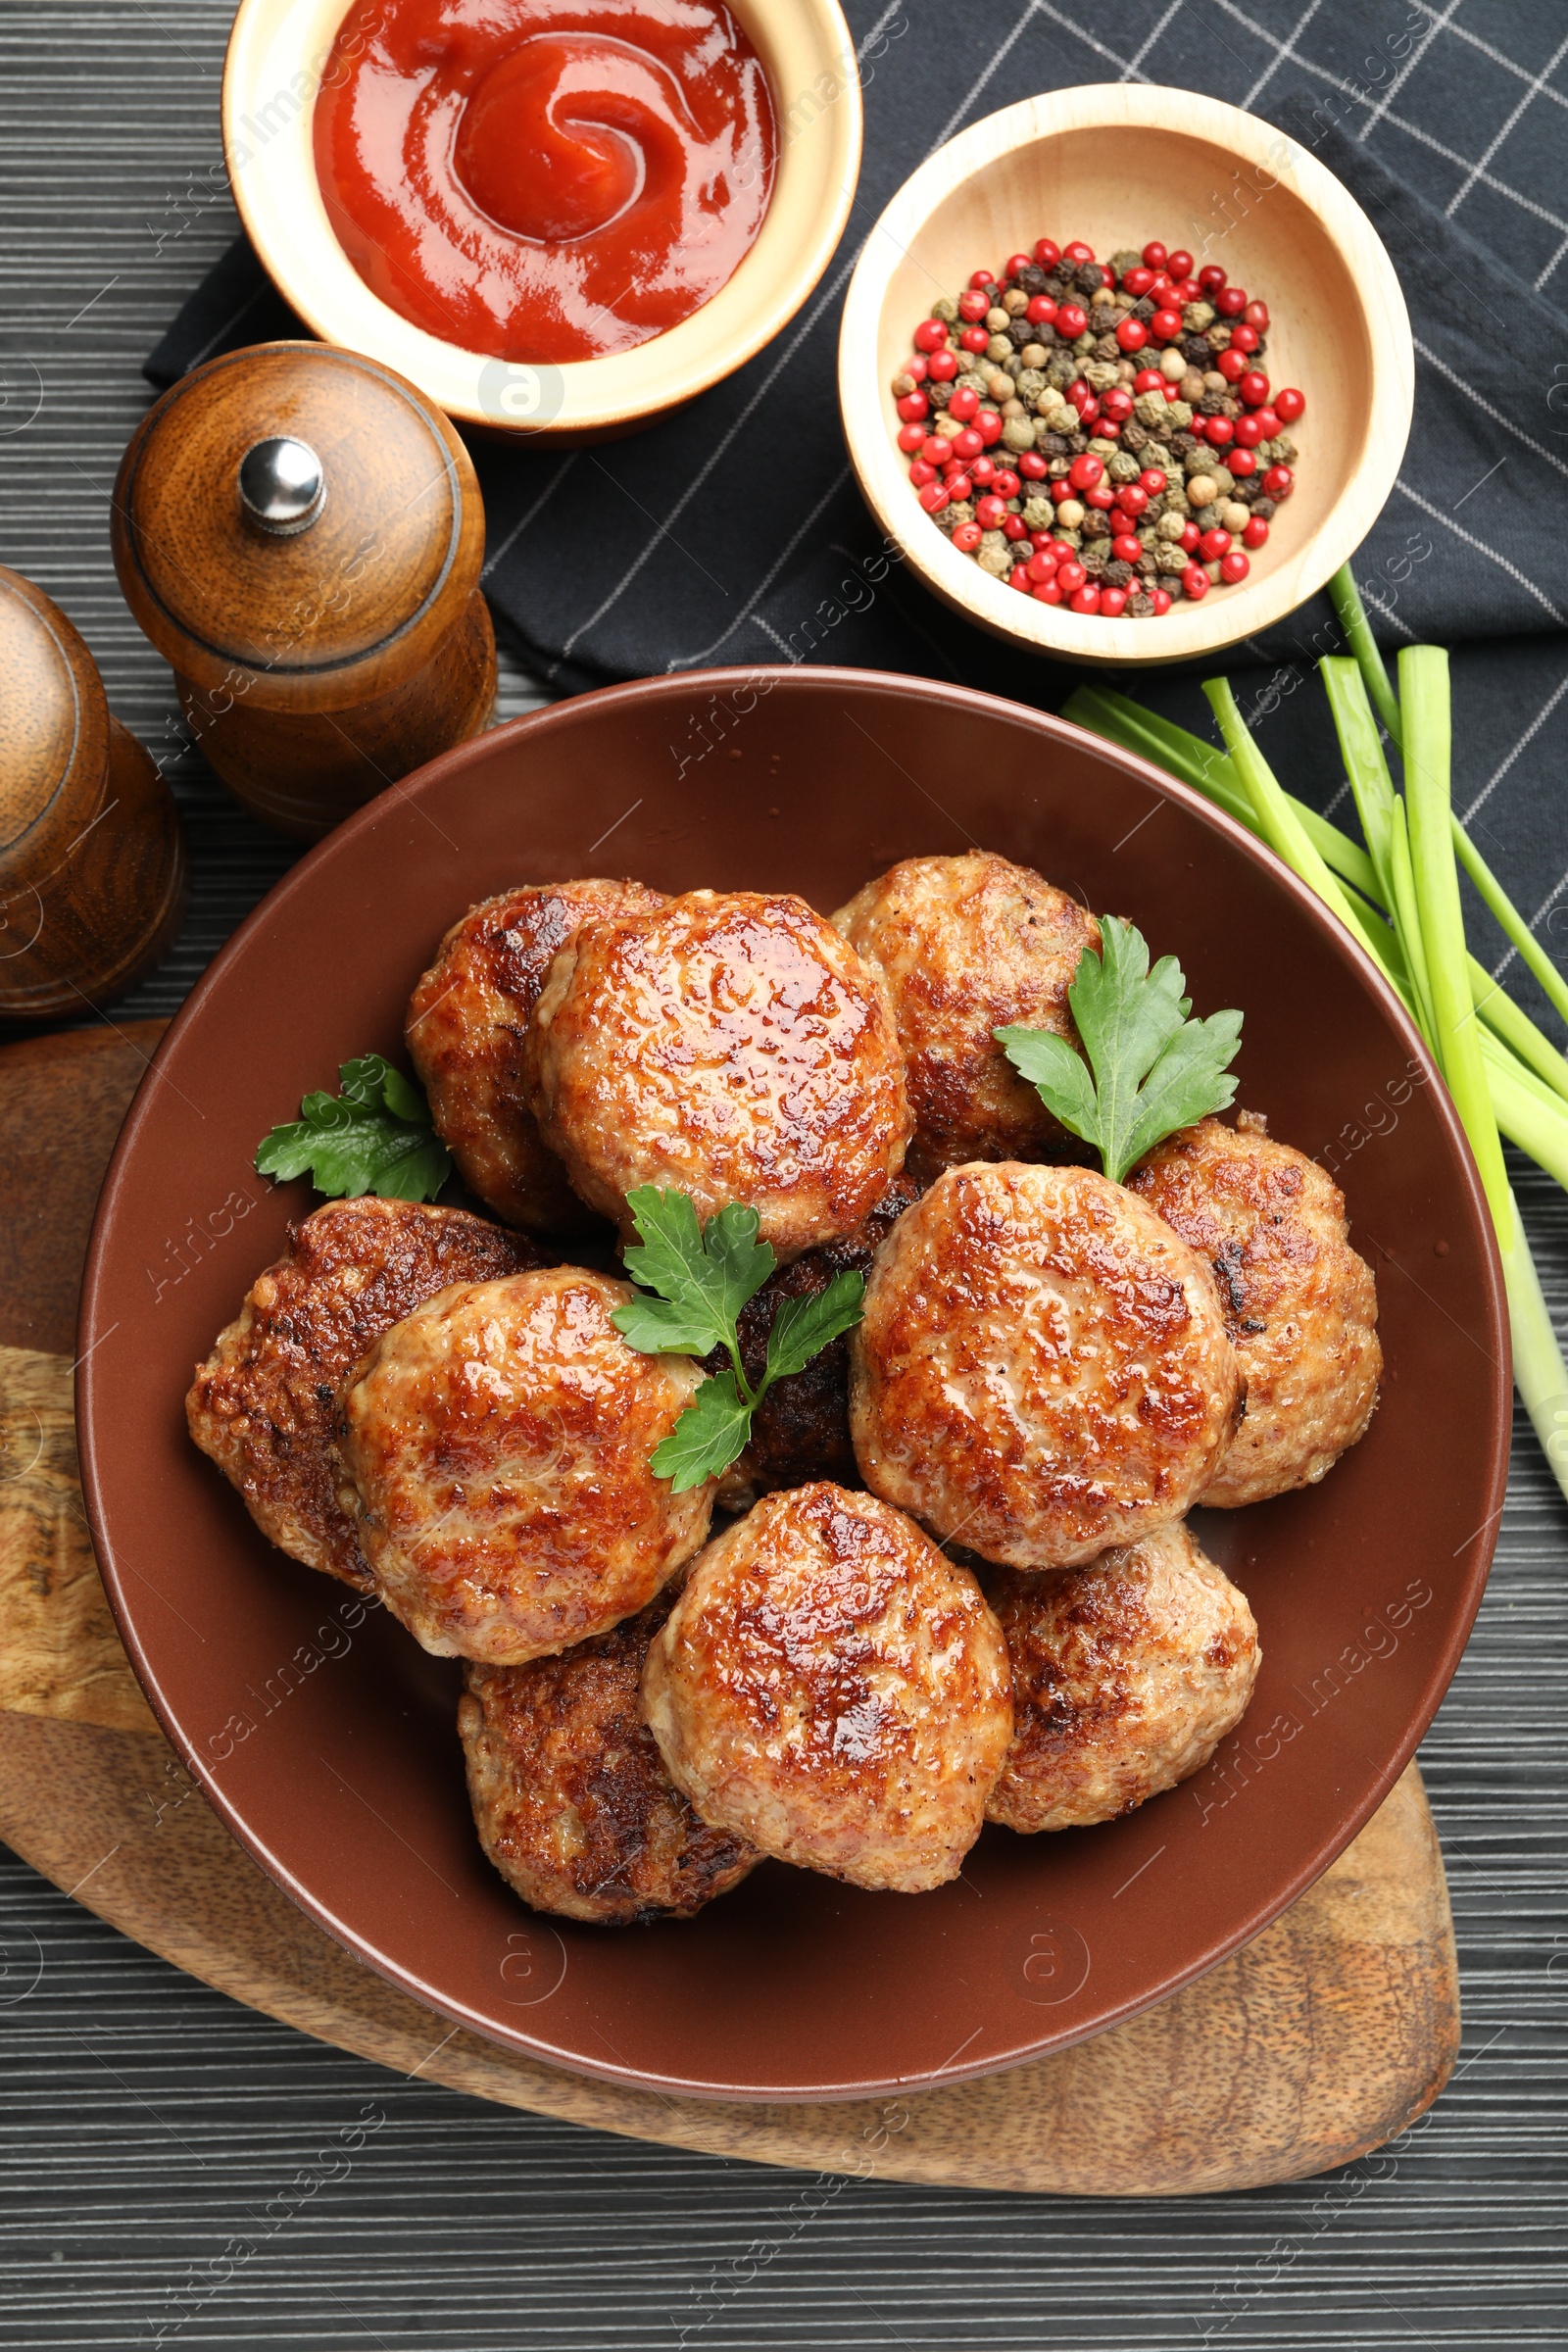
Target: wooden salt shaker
{"points": [[300, 533], [92, 857]]}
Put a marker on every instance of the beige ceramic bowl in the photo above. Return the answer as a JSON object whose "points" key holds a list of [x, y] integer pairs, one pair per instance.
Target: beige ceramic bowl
{"points": [[1119, 164], [276, 54]]}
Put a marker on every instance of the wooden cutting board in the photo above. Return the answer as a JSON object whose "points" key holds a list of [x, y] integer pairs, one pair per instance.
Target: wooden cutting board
{"points": [[1324, 2038]]}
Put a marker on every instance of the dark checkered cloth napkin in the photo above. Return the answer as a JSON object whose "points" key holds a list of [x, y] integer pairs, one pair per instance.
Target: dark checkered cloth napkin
{"points": [[734, 534]]}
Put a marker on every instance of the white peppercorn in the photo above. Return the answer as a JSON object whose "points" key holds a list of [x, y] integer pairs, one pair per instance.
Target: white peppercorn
{"points": [[998, 320], [1200, 490], [1234, 517], [998, 348], [1172, 367], [1070, 514]]}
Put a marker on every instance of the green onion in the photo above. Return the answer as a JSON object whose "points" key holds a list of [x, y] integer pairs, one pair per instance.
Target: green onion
{"points": [[1363, 645]]}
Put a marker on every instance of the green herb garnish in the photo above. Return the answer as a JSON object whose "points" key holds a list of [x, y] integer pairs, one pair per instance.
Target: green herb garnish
{"points": [[699, 1278], [375, 1137], [1151, 1068]]}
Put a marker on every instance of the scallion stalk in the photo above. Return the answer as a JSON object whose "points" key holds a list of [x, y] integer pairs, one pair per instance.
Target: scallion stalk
{"points": [[1363, 645]]}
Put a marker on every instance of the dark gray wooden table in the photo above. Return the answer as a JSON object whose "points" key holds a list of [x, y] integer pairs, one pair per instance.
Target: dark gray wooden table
{"points": [[152, 2135]]}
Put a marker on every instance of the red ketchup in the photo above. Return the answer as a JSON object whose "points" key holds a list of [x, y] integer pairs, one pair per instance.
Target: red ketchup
{"points": [[541, 181]]}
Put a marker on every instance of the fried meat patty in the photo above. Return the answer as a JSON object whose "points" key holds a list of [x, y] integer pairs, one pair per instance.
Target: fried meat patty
{"points": [[801, 1430], [262, 1403], [731, 1045], [968, 946], [496, 1447], [830, 1687], [1301, 1305], [1126, 1675], [1043, 1369], [570, 1792], [466, 1025]]}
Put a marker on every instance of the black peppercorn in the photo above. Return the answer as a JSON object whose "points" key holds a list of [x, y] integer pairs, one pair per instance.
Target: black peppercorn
{"points": [[1020, 332], [1183, 444], [1118, 574], [1077, 443], [1054, 445], [938, 395], [1094, 559], [1096, 524], [1143, 309], [1212, 404], [1139, 606], [1032, 278], [1088, 278], [1107, 348], [1133, 436], [1198, 350], [1263, 508]]}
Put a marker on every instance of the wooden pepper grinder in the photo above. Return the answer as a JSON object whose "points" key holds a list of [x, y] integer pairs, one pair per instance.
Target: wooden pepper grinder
{"points": [[300, 533], [92, 857]]}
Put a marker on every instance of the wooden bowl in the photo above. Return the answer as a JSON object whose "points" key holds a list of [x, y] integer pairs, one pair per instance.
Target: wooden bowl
{"points": [[277, 52], [1117, 164], [326, 1739]]}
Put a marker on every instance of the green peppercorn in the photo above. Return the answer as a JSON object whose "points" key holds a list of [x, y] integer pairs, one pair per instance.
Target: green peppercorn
{"points": [[1122, 467], [946, 307]]}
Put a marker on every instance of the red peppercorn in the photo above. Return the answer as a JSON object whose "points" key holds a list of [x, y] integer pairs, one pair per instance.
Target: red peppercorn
{"points": [[1233, 566], [1243, 339], [963, 404], [1116, 404], [1249, 432], [1041, 312], [1063, 550], [1085, 472], [1014, 526], [912, 406], [1112, 602], [1136, 282], [967, 537], [941, 367], [1032, 466], [1252, 387], [1061, 490], [1042, 565], [1085, 599], [1079, 394], [957, 484], [1220, 431], [911, 437], [1231, 365], [1007, 482], [1078, 251], [1015, 263], [1267, 421], [1160, 599], [1149, 379], [1151, 480], [1019, 578], [1132, 498], [917, 368], [1195, 582], [1189, 538], [934, 448], [1046, 254], [1049, 592], [972, 307], [1279, 482], [920, 472], [1214, 544], [1102, 496], [990, 510], [1256, 534], [1230, 302], [988, 425], [1210, 279], [1089, 413], [1179, 264], [967, 444], [1256, 316], [1070, 576], [1166, 325], [1155, 254], [984, 472], [1108, 430], [974, 338], [1038, 539], [1126, 549], [1288, 405], [933, 497], [931, 334], [1241, 463], [1132, 334], [1070, 321], [980, 278]]}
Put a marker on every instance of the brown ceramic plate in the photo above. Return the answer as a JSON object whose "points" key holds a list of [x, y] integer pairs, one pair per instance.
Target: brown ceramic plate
{"points": [[326, 1737]]}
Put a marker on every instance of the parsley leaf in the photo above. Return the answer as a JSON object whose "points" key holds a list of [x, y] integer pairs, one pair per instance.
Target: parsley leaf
{"points": [[703, 1277], [1153, 1068], [373, 1137]]}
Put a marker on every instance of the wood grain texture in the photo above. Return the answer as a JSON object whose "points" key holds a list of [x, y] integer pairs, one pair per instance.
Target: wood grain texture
{"points": [[315, 668], [92, 854], [1322, 2039]]}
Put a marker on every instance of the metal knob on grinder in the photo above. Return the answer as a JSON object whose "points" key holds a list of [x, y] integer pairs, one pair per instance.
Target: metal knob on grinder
{"points": [[325, 637], [283, 486]]}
